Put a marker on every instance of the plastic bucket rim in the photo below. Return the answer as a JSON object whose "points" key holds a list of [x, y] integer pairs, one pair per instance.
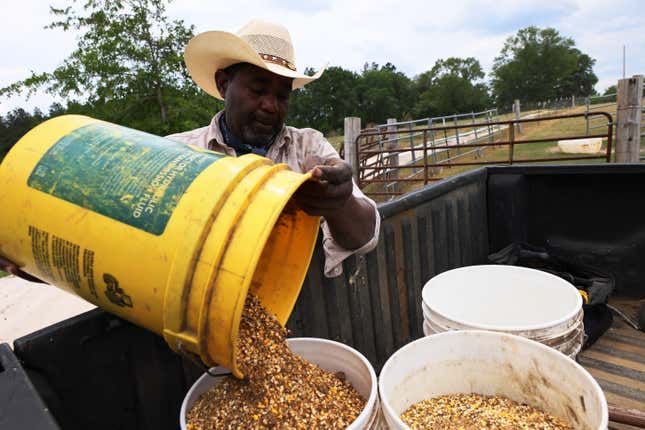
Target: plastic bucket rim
{"points": [[571, 348], [385, 404], [500, 328], [427, 319]]}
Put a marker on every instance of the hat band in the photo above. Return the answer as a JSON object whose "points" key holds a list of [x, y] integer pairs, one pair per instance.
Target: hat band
{"points": [[277, 60]]}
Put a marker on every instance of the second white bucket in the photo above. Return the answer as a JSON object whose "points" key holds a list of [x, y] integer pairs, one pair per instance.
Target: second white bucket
{"points": [[490, 363], [328, 355]]}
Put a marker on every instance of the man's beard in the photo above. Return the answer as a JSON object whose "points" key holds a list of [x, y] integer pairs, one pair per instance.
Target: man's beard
{"points": [[257, 140]]}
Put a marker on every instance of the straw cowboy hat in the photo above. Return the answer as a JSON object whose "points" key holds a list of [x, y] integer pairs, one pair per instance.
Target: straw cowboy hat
{"points": [[263, 44]]}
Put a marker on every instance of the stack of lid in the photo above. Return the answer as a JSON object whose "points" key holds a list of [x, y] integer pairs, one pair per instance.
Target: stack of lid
{"points": [[509, 299]]}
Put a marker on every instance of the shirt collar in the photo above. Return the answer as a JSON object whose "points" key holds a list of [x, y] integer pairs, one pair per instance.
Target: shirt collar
{"points": [[214, 133]]}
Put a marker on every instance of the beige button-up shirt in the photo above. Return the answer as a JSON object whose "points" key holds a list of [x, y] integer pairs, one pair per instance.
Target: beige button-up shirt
{"points": [[292, 146]]}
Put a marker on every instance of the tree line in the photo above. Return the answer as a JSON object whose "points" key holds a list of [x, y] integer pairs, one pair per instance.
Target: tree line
{"points": [[128, 68]]}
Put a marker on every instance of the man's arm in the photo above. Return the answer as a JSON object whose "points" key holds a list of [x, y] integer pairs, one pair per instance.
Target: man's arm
{"points": [[351, 220]]}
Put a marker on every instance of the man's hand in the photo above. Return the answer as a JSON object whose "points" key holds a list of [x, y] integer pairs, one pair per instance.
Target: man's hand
{"points": [[329, 194], [330, 187], [13, 268]]}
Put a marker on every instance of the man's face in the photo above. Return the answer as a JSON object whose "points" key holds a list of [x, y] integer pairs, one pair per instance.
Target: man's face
{"points": [[256, 102]]}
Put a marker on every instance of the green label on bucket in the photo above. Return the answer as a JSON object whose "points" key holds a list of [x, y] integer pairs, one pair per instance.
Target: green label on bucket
{"points": [[127, 175]]}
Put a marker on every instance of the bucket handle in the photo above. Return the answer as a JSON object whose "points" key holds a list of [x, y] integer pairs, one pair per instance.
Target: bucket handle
{"points": [[211, 371]]}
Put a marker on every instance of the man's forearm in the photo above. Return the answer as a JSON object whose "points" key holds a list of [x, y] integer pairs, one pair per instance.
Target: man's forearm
{"points": [[352, 226]]}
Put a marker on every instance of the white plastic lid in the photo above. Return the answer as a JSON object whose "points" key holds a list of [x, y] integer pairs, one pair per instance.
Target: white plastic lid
{"points": [[502, 298]]}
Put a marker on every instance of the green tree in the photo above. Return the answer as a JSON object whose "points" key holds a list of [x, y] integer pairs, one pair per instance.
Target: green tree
{"points": [[383, 92], [612, 89], [16, 124], [582, 79], [451, 86], [4, 147], [539, 64], [324, 103], [56, 109], [127, 65]]}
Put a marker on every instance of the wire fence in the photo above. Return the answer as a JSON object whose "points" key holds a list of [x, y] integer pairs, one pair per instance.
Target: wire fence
{"points": [[440, 137], [385, 172], [446, 139], [643, 121], [421, 146], [605, 102]]}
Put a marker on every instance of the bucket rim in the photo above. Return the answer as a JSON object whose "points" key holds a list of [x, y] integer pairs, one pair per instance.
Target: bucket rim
{"points": [[385, 402], [371, 402], [538, 335]]}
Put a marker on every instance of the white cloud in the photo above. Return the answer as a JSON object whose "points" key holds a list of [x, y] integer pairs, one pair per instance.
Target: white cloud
{"points": [[28, 47], [600, 30], [412, 34]]}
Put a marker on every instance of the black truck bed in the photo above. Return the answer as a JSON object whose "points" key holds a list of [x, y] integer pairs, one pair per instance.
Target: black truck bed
{"points": [[96, 371], [617, 361]]}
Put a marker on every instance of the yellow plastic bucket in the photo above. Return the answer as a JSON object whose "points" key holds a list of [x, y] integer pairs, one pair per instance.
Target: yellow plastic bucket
{"points": [[169, 237]]}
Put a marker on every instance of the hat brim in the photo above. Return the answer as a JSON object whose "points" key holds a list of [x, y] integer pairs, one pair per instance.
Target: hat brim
{"points": [[214, 50]]}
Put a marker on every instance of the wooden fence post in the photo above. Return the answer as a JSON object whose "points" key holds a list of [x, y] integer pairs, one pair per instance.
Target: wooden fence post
{"points": [[628, 127], [516, 109], [352, 130]]}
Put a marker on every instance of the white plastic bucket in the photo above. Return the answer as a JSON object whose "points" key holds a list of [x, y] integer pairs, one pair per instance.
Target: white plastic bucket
{"points": [[538, 335], [569, 342], [509, 299], [328, 355], [490, 363]]}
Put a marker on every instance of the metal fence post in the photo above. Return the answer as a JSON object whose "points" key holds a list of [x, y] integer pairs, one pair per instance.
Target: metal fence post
{"points": [[629, 110], [587, 115], [352, 130], [414, 155], [445, 135], [434, 151], [511, 140], [516, 109], [393, 158], [474, 128], [454, 118]]}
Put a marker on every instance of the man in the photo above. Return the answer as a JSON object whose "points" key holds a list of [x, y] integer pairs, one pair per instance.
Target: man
{"points": [[253, 71]]}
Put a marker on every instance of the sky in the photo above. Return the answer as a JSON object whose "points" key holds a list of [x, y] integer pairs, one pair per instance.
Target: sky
{"points": [[410, 34]]}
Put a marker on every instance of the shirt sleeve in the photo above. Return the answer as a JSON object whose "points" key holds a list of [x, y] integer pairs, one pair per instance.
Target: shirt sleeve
{"points": [[334, 253], [195, 137]]}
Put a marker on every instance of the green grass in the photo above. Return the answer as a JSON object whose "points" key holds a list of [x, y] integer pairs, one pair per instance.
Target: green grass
{"points": [[3, 274], [336, 141]]}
